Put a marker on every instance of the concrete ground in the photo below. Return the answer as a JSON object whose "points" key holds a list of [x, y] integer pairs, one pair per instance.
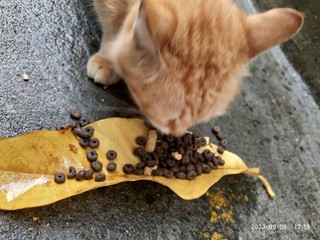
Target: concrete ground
{"points": [[273, 125]]}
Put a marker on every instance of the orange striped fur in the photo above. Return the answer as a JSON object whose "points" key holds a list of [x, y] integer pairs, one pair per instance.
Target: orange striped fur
{"points": [[183, 60]]}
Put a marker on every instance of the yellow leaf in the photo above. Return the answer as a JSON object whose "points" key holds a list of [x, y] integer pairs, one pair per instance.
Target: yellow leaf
{"points": [[28, 164]]}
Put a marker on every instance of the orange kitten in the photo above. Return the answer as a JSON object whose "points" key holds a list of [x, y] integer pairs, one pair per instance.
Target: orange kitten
{"points": [[183, 60]]}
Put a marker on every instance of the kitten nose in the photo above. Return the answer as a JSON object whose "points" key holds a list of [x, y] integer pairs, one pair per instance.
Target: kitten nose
{"points": [[178, 131]]}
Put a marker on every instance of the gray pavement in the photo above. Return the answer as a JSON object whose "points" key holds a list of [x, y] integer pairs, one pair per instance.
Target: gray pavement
{"points": [[273, 125]]}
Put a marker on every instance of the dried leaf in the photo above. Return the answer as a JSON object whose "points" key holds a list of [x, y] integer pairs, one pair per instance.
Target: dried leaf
{"points": [[28, 164]]}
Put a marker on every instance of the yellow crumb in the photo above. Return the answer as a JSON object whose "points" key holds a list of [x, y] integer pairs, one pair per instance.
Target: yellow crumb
{"points": [[206, 234], [218, 236], [218, 208]]}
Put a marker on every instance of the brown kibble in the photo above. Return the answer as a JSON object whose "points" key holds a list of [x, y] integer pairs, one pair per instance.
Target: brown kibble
{"points": [[111, 155], [89, 130], [216, 130], [190, 167], [221, 163], [220, 136], [168, 174], [111, 166], [74, 125], [128, 168], [198, 168], [207, 154], [201, 142], [81, 132], [89, 174], [100, 177], [92, 155], [151, 141], [140, 165], [175, 169], [138, 171], [157, 172], [139, 151], [96, 166], [191, 175], [169, 138], [80, 175], [84, 142], [151, 163], [159, 150], [206, 169], [223, 143], [141, 140], [94, 142], [84, 121], [212, 164], [75, 114], [220, 150], [59, 177], [145, 157], [185, 159], [196, 134], [72, 172], [181, 175]]}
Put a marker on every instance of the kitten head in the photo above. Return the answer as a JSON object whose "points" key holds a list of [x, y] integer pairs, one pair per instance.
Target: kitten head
{"points": [[183, 60]]}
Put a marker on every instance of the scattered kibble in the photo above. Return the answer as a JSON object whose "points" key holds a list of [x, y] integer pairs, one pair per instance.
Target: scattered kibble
{"points": [[223, 143], [96, 166], [216, 130], [84, 142], [111, 155], [89, 174], [80, 175], [220, 136], [84, 121], [89, 130], [138, 171], [111, 166], [75, 114], [92, 155], [72, 172], [100, 177], [220, 149], [81, 132], [206, 169], [94, 142], [181, 175], [191, 175], [141, 140], [128, 168], [185, 157], [168, 174], [59, 177]]}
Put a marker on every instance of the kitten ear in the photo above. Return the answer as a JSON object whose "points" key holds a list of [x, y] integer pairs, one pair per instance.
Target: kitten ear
{"points": [[275, 26], [155, 25], [142, 33]]}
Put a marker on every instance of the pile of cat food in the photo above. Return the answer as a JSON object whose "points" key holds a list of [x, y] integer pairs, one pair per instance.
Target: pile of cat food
{"points": [[183, 157]]}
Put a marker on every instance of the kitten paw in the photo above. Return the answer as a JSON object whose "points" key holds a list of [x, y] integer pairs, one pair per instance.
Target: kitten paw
{"points": [[100, 70]]}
